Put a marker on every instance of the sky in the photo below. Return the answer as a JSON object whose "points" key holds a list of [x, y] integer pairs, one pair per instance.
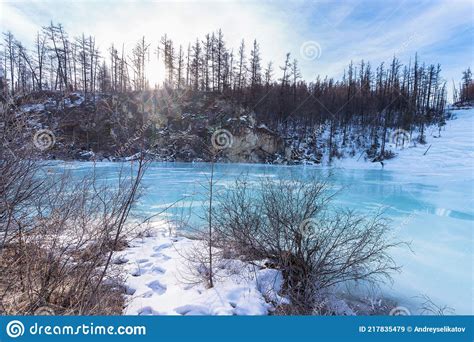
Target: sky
{"points": [[324, 36]]}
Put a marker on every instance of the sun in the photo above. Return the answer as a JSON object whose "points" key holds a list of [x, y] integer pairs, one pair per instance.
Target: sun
{"points": [[155, 71]]}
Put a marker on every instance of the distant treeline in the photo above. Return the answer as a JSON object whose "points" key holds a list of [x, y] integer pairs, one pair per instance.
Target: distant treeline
{"points": [[378, 98]]}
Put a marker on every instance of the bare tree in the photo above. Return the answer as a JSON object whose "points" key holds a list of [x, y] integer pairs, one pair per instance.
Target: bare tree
{"points": [[10, 56], [241, 67], [139, 55], [255, 68]]}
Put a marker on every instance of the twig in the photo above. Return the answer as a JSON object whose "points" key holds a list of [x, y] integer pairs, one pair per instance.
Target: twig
{"points": [[427, 150]]}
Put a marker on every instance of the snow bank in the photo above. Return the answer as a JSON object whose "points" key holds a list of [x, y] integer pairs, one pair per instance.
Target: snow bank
{"points": [[159, 282], [453, 151]]}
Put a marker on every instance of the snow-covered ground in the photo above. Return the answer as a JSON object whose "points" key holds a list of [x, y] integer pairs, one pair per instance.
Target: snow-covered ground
{"points": [[161, 279], [453, 152], [439, 177]]}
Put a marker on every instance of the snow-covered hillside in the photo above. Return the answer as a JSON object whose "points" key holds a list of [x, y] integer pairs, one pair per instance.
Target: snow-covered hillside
{"points": [[452, 151]]}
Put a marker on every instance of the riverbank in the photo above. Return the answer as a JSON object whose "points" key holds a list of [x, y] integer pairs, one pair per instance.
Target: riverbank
{"points": [[160, 279], [211, 128], [448, 150]]}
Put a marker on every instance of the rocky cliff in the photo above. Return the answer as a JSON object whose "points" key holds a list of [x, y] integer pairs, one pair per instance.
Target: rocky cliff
{"points": [[114, 127]]}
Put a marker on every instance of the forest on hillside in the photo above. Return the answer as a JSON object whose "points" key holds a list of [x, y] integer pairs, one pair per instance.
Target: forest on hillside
{"points": [[374, 99]]}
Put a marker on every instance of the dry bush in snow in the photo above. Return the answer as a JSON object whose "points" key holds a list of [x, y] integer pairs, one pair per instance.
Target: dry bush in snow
{"points": [[62, 256], [292, 225], [59, 231]]}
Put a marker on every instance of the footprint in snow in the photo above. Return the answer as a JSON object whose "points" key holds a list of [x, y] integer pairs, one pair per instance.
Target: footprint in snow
{"points": [[120, 260], [141, 267], [192, 310], [160, 256], [158, 269], [136, 272], [161, 247], [130, 291], [147, 310], [147, 294], [157, 286]]}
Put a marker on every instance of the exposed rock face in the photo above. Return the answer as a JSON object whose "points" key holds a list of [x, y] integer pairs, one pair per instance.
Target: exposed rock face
{"points": [[255, 145], [120, 125], [250, 143]]}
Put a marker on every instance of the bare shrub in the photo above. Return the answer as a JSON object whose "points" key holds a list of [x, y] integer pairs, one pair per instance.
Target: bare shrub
{"points": [[18, 185], [203, 260], [429, 307], [61, 256], [292, 225]]}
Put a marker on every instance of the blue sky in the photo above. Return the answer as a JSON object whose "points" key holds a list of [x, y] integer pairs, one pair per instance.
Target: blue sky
{"points": [[440, 31]]}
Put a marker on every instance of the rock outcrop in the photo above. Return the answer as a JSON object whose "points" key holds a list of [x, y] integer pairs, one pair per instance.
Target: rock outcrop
{"points": [[114, 127], [253, 143]]}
